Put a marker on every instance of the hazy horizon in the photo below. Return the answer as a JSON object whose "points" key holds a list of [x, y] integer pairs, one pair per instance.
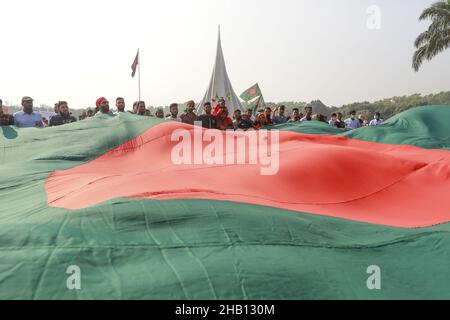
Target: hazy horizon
{"points": [[296, 50]]}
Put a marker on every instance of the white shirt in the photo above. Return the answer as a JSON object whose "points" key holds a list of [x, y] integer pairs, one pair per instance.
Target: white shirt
{"points": [[376, 122], [174, 119]]}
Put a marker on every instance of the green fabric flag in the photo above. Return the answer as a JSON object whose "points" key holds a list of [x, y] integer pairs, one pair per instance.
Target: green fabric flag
{"points": [[251, 93], [204, 244], [261, 103], [257, 104]]}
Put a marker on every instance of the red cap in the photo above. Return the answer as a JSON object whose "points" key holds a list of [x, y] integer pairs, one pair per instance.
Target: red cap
{"points": [[100, 101]]}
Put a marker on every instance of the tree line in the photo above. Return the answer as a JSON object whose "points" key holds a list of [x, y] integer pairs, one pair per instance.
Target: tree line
{"points": [[387, 107]]}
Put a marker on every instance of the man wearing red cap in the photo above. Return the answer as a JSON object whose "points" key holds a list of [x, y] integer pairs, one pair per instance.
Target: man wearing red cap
{"points": [[103, 106]]}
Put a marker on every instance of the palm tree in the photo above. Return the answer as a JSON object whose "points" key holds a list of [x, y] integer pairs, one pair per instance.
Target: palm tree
{"points": [[437, 38]]}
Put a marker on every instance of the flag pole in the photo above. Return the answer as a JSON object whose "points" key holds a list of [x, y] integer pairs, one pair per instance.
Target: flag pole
{"points": [[139, 73]]}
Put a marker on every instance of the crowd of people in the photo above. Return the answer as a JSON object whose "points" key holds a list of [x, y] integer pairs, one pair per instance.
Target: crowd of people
{"points": [[216, 117]]}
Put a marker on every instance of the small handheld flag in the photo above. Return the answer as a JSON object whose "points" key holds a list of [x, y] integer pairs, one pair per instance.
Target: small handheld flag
{"points": [[251, 93]]}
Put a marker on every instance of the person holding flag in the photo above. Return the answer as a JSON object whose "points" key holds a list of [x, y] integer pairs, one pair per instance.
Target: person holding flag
{"points": [[280, 117], [218, 108], [249, 95], [250, 115]]}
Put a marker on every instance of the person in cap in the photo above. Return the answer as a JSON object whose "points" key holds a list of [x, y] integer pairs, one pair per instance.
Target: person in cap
{"points": [[103, 106], [27, 118], [189, 116], [64, 116], [173, 108], [5, 118], [159, 113]]}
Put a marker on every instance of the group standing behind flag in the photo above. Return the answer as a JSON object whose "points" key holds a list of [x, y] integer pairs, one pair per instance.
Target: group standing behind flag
{"points": [[211, 118]]}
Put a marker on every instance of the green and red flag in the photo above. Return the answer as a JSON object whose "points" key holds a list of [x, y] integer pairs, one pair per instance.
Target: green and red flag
{"points": [[135, 64], [251, 93], [257, 104], [261, 103], [342, 202], [216, 98]]}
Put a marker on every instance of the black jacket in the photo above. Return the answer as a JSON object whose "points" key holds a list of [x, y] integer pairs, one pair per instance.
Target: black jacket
{"points": [[58, 120]]}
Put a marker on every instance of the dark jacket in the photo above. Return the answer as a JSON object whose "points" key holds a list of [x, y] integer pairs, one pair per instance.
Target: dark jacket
{"points": [[208, 121], [244, 124], [6, 120], [58, 120], [188, 118]]}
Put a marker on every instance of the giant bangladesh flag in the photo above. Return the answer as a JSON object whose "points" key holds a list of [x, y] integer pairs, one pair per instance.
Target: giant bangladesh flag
{"points": [[104, 196]]}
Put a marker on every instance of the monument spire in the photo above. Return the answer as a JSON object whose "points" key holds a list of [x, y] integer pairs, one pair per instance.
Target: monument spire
{"points": [[220, 85]]}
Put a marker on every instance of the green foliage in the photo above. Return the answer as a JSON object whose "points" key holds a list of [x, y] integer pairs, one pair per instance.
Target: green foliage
{"points": [[437, 38], [392, 106], [387, 107]]}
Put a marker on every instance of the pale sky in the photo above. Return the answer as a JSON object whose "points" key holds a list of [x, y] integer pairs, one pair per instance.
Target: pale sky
{"points": [[296, 49]]}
